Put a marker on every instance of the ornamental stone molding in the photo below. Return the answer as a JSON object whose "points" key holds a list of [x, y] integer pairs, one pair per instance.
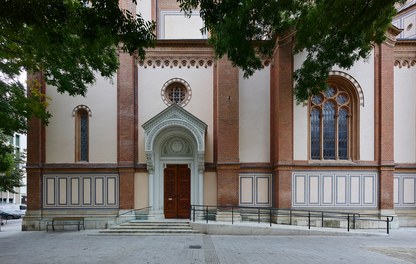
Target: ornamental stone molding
{"points": [[79, 107], [353, 81], [177, 62], [174, 117], [405, 63]]}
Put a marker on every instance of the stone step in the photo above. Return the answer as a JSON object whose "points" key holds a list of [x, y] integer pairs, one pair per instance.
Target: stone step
{"points": [[150, 228]]}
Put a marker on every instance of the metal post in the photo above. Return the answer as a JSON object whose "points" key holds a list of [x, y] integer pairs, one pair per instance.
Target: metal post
{"points": [[348, 222], [309, 220], [232, 215], [270, 217], [258, 215], [194, 213], [322, 219], [353, 221], [290, 217], [207, 214], [388, 225]]}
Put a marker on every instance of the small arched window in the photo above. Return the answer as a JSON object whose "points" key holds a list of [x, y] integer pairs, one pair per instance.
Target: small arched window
{"points": [[82, 134], [333, 125]]}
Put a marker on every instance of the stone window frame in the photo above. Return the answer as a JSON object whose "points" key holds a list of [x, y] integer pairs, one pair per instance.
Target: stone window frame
{"points": [[172, 83], [81, 151], [345, 86]]}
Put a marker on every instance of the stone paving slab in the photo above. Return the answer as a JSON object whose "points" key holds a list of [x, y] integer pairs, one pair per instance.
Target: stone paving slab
{"points": [[85, 247]]}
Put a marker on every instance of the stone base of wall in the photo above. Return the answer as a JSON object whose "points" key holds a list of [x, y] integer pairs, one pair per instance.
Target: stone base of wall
{"points": [[36, 220]]}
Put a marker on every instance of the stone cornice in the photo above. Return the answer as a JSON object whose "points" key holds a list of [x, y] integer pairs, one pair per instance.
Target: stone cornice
{"points": [[405, 53]]}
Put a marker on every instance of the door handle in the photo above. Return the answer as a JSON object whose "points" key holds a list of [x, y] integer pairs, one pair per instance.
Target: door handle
{"points": [[170, 199]]}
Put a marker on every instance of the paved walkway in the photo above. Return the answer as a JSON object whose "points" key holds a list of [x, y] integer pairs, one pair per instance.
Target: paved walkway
{"points": [[87, 247]]}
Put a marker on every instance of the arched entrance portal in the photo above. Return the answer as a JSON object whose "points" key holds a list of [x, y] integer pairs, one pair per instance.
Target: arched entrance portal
{"points": [[175, 149]]}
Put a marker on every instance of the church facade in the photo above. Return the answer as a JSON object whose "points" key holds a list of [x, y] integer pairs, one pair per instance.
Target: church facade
{"points": [[182, 127]]}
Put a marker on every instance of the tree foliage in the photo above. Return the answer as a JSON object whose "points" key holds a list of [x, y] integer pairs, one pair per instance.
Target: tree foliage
{"points": [[331, 33], [11, 162], [68, 41]]}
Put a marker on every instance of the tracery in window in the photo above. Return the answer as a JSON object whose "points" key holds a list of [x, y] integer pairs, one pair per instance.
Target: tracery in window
{"points": [[176, 91], [81, 135], [331, 124]]}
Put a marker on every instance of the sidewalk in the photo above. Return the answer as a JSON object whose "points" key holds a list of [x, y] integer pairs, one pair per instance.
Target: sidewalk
{"points": [[88, 247]]}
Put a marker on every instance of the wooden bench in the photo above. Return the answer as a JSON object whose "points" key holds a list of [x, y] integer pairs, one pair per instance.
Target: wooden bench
{"points": [[63, 221]]}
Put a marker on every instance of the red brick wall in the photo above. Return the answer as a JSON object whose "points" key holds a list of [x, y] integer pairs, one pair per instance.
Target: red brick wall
{"points": [[35, 154], [227, 132], [385, 123], [282, 123]]}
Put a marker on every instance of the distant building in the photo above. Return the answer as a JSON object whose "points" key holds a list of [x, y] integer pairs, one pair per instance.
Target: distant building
{"points": [[182, 127], [19, 197]]}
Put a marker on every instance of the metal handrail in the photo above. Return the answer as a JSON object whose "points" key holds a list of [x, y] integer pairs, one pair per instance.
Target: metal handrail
{"points": [[134, 210], [351, 217]]}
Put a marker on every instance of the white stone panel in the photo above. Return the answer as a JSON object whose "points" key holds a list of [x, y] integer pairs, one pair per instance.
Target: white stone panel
{"points": [[328, 189], [262, 190], [62, 191], [314, 189], [75, 191], [341, 189], [175, 25], [99, 188], [141, 190], [396, 181], [368, 188], [405, 114], [300, 190], [408, 190], [50, 191], [111, 191], [87, 191], [210, 188], [101, 99], [144, 7], [150, 83], [254, 114], [355, 187], [246, 190]]}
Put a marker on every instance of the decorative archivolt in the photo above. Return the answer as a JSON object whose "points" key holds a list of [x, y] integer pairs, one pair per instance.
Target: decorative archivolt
{"points": [[405, 63], [176, 62], [353, 81], [79, 107]]}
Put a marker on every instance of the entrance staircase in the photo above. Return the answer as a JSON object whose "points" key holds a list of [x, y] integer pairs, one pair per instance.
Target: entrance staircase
{"points": [[151, 228]]}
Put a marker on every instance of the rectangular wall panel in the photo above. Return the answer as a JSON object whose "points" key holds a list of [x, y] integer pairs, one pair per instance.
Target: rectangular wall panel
{"points": [[314, 189], [80, 191], [368, 188], [335, 189], [111, 191], [99, 191], [262, 191], [87, 191], [62, 191], [341, 189], [75, 191], [327, 190], [408, 190], [246, 190], [50, 191], [300, 190], [396, 181], [355, 190]]}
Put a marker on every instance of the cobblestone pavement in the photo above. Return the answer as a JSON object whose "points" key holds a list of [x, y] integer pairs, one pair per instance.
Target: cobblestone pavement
{"points": [[86, 247]]}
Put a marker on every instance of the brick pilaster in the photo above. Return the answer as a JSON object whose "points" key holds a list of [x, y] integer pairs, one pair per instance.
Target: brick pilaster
{"points": [[126, 121], [35, 152], [281, 120], [384, 98], [227, 132]]}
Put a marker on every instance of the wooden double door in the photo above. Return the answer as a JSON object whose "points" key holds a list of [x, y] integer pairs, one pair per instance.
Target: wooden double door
{"points": [[177, 191]]}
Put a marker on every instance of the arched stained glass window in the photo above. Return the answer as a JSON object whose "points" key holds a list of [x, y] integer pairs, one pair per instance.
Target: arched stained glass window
{"points": [[330, 125], [81, 135]]}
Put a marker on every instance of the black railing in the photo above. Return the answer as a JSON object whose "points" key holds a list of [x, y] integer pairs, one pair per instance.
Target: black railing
{"points": [[286, 216], [140, 213]]}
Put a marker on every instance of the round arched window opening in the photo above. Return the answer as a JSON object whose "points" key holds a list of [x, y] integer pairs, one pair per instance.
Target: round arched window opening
{"points": [[176, 91]]}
